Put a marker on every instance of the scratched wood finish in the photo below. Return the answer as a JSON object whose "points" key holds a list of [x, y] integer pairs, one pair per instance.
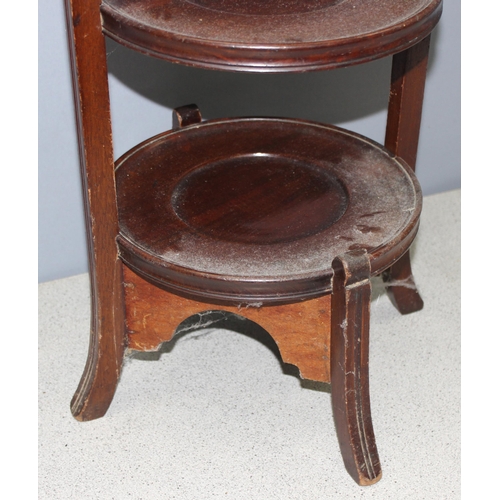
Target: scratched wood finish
{"points": [[269, 36], [127, 310], [256, 208], [301, 330], [408, 75], [349, 366], [88, 57]]}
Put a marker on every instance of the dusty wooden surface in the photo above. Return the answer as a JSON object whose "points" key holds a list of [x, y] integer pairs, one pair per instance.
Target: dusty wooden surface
{"points": [[320, 326], [256, 208], [265, 36]]}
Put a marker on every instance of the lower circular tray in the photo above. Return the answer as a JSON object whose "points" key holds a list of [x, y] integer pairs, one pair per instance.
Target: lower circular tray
{"points": [[255, 209]]}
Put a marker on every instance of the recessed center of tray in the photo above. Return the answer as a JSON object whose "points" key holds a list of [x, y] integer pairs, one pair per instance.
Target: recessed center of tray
{"points": [[265, 7], [260, 199]]}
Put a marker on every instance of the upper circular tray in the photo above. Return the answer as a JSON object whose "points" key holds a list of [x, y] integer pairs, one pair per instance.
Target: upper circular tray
{"points": [[257, 208], [269, 35]]}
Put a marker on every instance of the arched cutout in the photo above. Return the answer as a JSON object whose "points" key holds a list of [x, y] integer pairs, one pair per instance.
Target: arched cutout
{"points": [[301, 330], [223, 320]]}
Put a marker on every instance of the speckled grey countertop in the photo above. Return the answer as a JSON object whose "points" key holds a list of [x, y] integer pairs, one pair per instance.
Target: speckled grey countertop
{"points": [[217, 416]]}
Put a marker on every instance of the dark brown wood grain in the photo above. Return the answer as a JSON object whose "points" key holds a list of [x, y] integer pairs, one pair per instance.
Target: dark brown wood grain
{"points": [[107, 337], [259, 36], [244, 215], [185, 115], [403, 129], [253, 209], [349, 366], [409, 69]]}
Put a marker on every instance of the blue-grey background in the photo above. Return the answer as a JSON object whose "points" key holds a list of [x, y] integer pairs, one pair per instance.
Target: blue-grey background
{"points": [[145, 90]]}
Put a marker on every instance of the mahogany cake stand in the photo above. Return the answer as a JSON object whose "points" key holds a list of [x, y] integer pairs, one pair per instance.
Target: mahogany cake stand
{"points": [[281, 221]]}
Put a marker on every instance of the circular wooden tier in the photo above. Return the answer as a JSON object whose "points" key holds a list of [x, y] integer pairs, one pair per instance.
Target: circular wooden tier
{"points": [[269, 35], [255, 209]]}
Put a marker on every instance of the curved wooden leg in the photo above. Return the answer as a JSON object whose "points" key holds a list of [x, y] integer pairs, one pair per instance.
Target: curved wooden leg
{"points": [[106, 350], [349, 366], [403, 129], [107, 339], [401, 287]]}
